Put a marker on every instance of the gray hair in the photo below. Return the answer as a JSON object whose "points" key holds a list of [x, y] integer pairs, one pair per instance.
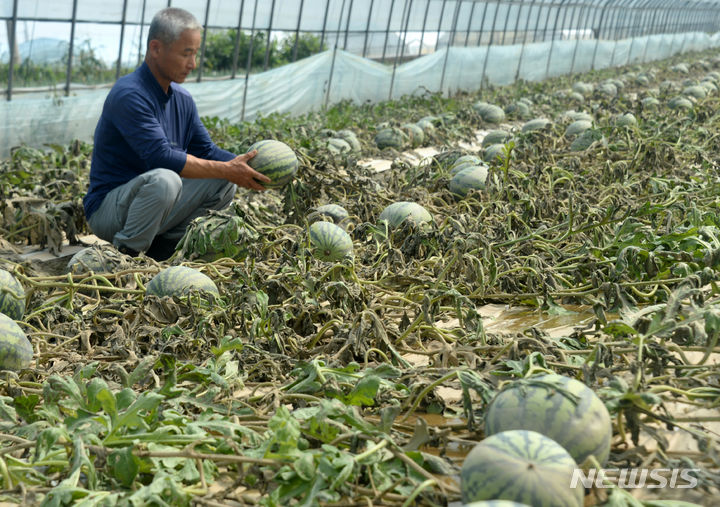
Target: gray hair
{"points": [[168, 24]]}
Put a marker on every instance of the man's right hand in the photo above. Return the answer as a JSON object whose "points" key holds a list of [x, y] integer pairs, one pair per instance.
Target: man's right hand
{"points": [[245, 176]]}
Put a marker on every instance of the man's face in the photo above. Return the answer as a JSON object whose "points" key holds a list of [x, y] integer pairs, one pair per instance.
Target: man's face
{"points": [[177, 60]]}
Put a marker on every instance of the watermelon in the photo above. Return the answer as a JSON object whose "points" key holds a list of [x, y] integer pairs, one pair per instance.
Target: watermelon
{"points": [[625, 120], [16, 352], [276, 160], [519, 109], [397, 212], [582, 88], [427, 127], [470, 178], [12, 296], [490, 113], [536, 124], [681, 68], [391, 137], [586, 139], [414, 133], [495, 137], [577, 127], [680, 103], [521, 466], [650, 102], [335, 212], [351, 138], [577, 115], [607, 89], [559, 407], [179, 280], [464, 162], [338, 146], [695, 91], [330, 242], [495, 153], [93, 258], [577, 97], [495, 503]]}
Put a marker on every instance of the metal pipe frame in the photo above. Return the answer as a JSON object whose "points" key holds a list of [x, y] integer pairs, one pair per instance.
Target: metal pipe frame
{"points": [[202, 44], [142, 25], [552, 41], [458, 3], [598, 36], [527, 27], [439, 29], [236, 49], [249, 60], [482, 24], [406, 19], [469, 25], [422, 32], [297, 31], [118, 65], [581, 22], [367, 27], [387, 31], [489, 45], [71, 49]]}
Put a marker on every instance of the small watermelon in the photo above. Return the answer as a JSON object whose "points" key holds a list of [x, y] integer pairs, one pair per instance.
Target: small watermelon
{"points": [[495, 503], [414, 133], [99, 259], [521, 466], [427, 127], [464, 162], [338, 146], [586, 139], [495, 137], [334, 212], [330, 242], [397, 212], [577, 127], [695, 91], [680, 103], [179, 280], [276, 160], [536, 125], [391, 137], [351, 138], [470, 178], [490, 113], [625, 120], [16, 352], [495, 153], [559, 407], [12, 296], [650, 102]]}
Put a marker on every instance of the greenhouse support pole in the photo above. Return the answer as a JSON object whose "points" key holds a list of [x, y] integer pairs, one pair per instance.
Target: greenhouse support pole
{"points": [[297, 32], [332, 71], [266, 61], [324, 27], [603, 11], [469, 25], [439, 29], [581, 22], [684, 28], [458, 3], [505, 26], [367, 28], [12, 44], [489, 45], [236, 49], [527, 27], [123, 23], [249, 61], [424, 26], [347, 25], [631, 31], [644, 22], [142, 24], [552, 41], [617, 32], [387, 30], [202, 43], [517, 24], [482, 25], [71, 49], [653, 21], [406, 19], [552, 6]]}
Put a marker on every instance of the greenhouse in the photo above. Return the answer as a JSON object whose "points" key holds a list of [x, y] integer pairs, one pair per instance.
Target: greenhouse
{"points": [[452, 253]]}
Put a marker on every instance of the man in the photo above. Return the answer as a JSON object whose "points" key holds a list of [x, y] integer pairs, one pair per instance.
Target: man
{"points": [[154, 167]]}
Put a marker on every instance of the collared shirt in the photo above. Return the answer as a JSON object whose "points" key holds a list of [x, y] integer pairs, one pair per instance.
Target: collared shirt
{"points": [[142, 128]]}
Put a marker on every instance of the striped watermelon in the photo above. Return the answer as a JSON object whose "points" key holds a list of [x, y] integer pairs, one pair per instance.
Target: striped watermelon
{"points": [[330, 242], [16, 352], [179, 280], [276, 160], [577, 127], [12, 296], [492, 153], [464, 162], [495, 137], [335, 212], [626, 120], [495, 503], [559, 407], [536, 124], [398, 212], [521, 466], [351, 138], [414, 133], [92, 258], [490, 113], [338, 146], [470, 178], [391, 137]]}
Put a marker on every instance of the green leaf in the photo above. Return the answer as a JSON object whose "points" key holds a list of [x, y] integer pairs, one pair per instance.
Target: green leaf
{"points": [[8, 411], [364, 392], [123, 465], [305, 467]]}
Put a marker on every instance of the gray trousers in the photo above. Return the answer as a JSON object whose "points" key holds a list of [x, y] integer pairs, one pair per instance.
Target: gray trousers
{"points": [[156, 203]]}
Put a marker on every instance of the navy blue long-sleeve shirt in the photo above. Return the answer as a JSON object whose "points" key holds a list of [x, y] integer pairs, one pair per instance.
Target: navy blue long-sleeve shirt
{"points": [[142, 128]]}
